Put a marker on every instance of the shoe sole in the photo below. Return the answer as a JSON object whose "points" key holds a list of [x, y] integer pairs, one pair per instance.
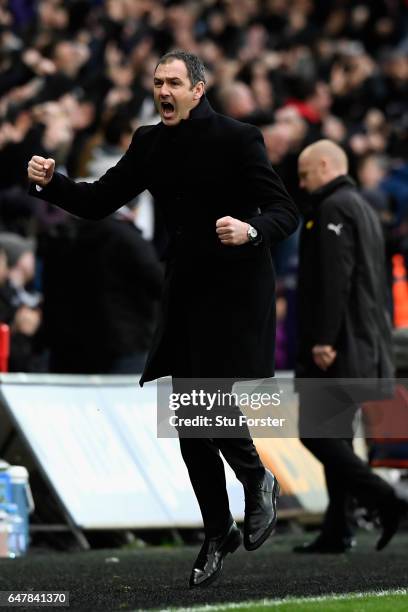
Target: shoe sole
{"points": [[231, 547], [269, 530]]}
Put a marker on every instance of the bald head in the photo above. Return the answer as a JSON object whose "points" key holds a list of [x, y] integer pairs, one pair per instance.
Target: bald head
{"points": [[320, 163]]}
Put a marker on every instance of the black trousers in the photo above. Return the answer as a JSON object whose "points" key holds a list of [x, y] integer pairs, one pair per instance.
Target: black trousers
{"points": [[326, 429], [202, 456]]}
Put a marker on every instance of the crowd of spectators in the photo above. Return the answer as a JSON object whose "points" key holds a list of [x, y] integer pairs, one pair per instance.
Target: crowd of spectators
{"points": [[76, 80]]}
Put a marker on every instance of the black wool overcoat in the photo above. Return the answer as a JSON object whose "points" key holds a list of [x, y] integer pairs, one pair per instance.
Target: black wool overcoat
{"points": [[218, 305]]}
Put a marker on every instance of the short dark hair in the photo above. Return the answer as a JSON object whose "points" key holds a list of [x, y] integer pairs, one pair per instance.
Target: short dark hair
{"points": [[195, 67]]}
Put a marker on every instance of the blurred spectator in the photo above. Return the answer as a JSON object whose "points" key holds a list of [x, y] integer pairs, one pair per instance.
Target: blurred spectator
{"points": [[238, 101], [290, 117], [313, 101], [19, 307], [101, 284], [21, 268], [118, 134], [284, 142], [277, 141], [395, 67], [371, 171], [355, 82]]}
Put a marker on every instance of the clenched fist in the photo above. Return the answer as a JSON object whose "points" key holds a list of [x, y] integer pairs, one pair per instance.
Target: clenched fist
{"points": [[232, 232], [40, 170]]}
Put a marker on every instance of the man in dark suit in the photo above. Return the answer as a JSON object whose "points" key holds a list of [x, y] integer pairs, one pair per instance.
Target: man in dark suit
{"points": [[344, 333], [224, 207]]}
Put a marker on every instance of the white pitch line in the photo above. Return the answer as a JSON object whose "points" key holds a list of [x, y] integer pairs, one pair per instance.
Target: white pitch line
{"points": [[277, 602]]}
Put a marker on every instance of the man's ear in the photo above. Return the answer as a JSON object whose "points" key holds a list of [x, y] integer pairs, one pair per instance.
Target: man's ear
{"points": [[198, 90], [323, 164]]}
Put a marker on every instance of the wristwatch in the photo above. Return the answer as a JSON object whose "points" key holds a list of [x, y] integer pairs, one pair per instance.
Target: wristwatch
{"points": [[252, 234]]}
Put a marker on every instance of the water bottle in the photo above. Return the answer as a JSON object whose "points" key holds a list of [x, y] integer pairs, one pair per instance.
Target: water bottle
{"points": [[21, 495], [5, 487], [17, 539]]}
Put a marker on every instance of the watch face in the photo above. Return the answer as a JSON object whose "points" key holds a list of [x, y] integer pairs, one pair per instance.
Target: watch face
{"points": [[252, 233]]}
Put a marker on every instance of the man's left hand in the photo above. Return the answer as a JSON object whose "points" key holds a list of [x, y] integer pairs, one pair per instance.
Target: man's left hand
{"points": [[323, 355], [232, 232]]}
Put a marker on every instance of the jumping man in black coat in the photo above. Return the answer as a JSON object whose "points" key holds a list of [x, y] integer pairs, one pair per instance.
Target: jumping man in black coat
{"points": [[344, 333], [224, 207]]}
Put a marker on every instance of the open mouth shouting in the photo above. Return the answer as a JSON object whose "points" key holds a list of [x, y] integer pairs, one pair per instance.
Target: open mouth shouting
{"points": [[167, 110]]}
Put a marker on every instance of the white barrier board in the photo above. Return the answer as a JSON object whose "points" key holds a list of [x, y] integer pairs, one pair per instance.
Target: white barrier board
{"points": [[95, 441]]}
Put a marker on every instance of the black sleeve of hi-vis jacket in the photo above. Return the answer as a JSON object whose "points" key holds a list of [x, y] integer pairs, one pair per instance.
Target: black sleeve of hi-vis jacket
{"points": [[96, 200], [337, 252]]}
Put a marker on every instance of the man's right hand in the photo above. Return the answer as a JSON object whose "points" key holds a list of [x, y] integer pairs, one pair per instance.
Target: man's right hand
{"points": [[324, 356], [40, 170]]}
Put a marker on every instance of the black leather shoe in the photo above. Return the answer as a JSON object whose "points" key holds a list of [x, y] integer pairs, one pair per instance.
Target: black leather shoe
{"points": [[323, 546], [390, 519], [208, 564], [260, 512]]}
